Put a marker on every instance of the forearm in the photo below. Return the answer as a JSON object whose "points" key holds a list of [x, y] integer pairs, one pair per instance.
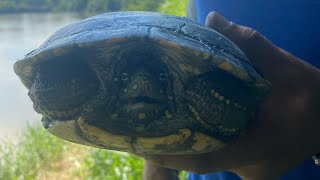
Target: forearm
{"points": [[154, 172]]}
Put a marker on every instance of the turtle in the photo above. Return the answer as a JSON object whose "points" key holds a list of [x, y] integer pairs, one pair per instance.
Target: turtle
{"points": [[144, 83]]}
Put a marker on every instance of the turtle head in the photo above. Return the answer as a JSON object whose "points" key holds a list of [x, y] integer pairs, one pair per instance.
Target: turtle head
{"points": [[143, 92]]}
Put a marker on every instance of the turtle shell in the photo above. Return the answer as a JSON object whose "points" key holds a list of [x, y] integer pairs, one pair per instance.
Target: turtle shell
{"points": [[142, 82]]}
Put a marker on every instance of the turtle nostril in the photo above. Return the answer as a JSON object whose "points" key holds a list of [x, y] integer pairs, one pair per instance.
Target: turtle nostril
{"points": [[162, 76], [144, 79]]}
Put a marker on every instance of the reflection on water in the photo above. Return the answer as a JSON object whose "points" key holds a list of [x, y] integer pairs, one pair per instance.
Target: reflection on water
{"points": [[19, 34]]}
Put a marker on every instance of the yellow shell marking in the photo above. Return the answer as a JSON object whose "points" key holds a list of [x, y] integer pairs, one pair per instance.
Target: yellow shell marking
{"points": [[203, 142], [58, 51], [170, 45], [68, 130], [205, 55], [104, 138], [27, 69], [227, 66], [143, 144]]}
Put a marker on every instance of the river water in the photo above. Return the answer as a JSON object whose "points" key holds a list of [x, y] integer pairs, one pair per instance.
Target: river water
{"points": [[20, 34]]}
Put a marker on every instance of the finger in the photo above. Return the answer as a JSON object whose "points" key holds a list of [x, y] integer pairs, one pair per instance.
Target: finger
{"points": [[265, 56], [246, 38]]}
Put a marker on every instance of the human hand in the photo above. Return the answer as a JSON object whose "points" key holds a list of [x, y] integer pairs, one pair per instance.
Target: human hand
{"points": [[152, 171], [286, 127]]}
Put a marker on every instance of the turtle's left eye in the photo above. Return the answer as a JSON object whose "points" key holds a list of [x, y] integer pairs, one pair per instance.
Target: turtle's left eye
{"points": [[162, 76], [124, 76]]}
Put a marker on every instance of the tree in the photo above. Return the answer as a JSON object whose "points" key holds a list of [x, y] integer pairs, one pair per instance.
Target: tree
{"points": [[174, 7], [141, 5]]}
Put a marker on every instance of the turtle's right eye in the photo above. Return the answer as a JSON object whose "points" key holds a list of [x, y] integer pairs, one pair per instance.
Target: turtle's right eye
{"points": [[124, 76], [162, 76]]}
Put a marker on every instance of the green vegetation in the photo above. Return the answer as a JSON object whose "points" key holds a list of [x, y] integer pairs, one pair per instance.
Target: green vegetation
{"points": [[23, 159], [113, 165], [89, 6], [93, 6], [39, 155], [174, 7]]}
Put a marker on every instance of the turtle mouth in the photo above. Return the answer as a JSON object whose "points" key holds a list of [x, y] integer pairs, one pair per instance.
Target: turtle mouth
{"points": [[143, 99], [142, 110]]}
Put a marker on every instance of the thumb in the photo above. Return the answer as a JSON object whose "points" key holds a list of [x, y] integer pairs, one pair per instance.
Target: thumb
{"points": [[262, 53]]}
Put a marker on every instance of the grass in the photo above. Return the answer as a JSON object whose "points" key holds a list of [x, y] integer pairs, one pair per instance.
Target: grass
{"points": [[103, 164], [174, 7], [24, 158], [36, 154]]}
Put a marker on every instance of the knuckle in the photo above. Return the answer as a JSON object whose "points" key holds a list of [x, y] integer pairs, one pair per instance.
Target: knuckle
{"points": [[253, 34]]}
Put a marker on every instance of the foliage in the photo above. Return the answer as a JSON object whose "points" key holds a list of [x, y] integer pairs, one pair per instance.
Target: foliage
{"points": [[37, 153], [40, 154], [7, 6], [113, 165], [22, 159], [174, 7], [141, 5], [69, 5]]}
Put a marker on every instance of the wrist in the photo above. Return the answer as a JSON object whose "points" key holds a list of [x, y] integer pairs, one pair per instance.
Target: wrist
{"points": [[152, 171]]}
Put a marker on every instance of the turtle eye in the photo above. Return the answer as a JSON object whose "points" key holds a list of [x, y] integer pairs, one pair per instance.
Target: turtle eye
{"points": [[124, 76], [162, 76]]}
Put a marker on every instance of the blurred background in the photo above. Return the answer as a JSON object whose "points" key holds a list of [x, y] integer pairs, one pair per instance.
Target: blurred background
{"points": [[27, 151]]}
